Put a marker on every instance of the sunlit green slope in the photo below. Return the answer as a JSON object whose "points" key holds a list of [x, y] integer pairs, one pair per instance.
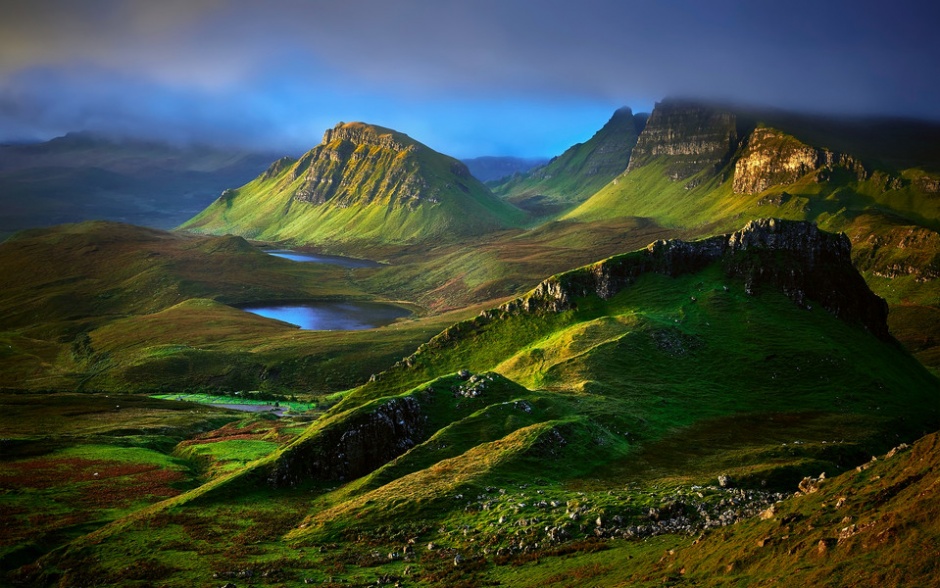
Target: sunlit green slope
{"points": [[705, 169], [362, 184], [579, 172]]}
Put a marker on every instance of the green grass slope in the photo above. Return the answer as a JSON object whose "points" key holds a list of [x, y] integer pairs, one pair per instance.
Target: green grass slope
{"points": [[362, 184], [872, 526], [579, 172], [690, 178], [588, 414], [122, 308]]}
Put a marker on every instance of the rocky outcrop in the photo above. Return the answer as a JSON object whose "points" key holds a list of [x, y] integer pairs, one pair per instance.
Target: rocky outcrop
{"points": [[278, 167], [354, 446], [370, 135], [773, 158], [794, 257], [900, 251], [928, 184], [360, 164], [687, 137]]}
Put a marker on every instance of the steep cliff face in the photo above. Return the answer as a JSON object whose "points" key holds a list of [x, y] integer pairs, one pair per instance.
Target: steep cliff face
{"points": [[580, 171], [687, 137], [355, 447], [772, 158], [358, 164], [794, 257]]}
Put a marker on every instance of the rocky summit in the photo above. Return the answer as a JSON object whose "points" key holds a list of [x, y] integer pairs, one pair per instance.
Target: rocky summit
{"points": [[365, 184], [773, 158], [690, 137]]}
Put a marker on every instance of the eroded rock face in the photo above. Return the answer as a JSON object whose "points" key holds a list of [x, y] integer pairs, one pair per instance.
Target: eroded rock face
{"points": [[773, 158], [901, 251], [278, 167], [688, 137], [794, 257], [361, 444], [358, 164]]}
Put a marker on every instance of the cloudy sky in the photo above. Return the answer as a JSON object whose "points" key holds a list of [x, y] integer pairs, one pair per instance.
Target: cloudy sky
{"points": [[470, 77]]}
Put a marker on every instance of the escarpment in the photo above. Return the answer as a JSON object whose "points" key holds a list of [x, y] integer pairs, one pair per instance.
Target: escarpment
{"points": [[687, 138], [362, 164], [794, 257], [773, 158]]}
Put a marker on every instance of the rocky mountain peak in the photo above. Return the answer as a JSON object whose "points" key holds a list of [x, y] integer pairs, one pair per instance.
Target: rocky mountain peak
{"points": [[693, 137], [580, 171], [360, 133], [772, 157]]}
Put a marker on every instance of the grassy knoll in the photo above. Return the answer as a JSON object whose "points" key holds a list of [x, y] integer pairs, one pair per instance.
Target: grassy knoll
{"points": [[877, 526]]}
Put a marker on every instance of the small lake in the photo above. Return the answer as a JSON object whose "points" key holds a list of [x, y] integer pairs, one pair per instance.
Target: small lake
{"points": [[331, 316], [339, 260], [276, 410]]}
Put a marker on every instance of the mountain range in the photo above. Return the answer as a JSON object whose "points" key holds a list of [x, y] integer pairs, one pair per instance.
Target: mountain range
{"points": [[667, 355], [84, 176]]}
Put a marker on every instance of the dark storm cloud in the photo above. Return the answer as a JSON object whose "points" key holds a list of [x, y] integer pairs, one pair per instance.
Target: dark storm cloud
{"points": [[462, 76]]}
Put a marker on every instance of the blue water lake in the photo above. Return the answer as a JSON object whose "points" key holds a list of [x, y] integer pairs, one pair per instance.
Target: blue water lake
{"points": [[331, 316], [339, 260]]}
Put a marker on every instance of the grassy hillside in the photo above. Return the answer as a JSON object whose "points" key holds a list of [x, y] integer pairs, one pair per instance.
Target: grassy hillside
{"points": [[116, 307], [876, 525], [363, 184], [579, 172], [605, 418], [887, 205]]}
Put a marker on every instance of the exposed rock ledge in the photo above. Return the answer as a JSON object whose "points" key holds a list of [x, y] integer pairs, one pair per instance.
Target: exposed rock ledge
{"points": [[794, 257], [773, 158], [356, 446]]}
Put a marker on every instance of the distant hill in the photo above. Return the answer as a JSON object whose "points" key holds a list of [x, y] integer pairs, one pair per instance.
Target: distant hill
{"points": [[362, 184], [492, 168], [83, 176], [576, 174]]}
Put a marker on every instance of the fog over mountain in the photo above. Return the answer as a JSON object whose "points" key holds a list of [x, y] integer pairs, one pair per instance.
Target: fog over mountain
{"points": [[469, 79]]}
